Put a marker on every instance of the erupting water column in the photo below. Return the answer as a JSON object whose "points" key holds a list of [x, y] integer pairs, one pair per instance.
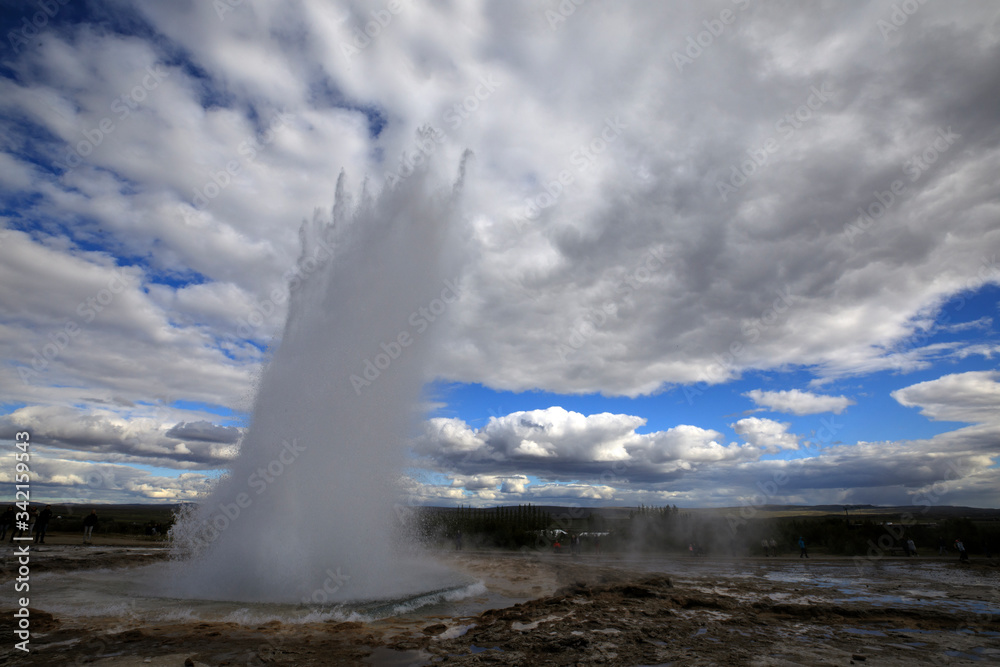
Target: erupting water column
{"points": [[308, 504]]}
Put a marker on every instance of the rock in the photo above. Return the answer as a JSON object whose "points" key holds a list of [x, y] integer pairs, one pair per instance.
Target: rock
{"points": [[435, 629], [638, 592]]}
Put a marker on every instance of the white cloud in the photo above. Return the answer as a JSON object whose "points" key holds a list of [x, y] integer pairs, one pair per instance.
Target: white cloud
{"points": [[972, 397], [769, 435], [106, 435], [561, 445], [88, 327], [74, 481], [796, 402], [634, 276], [745, 271], [700, 471], [514, 484]]}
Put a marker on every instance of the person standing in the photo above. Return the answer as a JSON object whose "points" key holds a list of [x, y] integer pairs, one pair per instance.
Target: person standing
{"points": [[765, 545], [89, 522], [962, 555], [7, 522], [911, 547], [774, 547], [42, 524], [802, 548]]}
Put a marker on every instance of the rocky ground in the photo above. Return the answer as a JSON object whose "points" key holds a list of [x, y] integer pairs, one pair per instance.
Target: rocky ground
{"points": [[585, 610]]}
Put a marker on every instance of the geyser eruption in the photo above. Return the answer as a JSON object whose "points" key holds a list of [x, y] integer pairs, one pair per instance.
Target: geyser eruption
{"points": [[306, 512]]}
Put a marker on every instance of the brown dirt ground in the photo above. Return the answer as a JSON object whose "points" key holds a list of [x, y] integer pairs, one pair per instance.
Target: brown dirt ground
{"points": [[582, 612]]}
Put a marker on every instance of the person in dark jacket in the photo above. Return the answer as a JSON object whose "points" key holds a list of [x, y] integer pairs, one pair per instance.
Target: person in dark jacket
{"points": [[7, 522], [89, 522], [42, 524]]}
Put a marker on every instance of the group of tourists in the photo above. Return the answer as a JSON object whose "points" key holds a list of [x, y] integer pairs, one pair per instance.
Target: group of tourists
{"points": [[574, 544], [38, 524], [769, 546]]}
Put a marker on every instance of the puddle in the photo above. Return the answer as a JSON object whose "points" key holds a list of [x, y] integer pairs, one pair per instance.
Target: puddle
{"points": [[480, 649], [914, 631], [386, 657], [964, 656]]}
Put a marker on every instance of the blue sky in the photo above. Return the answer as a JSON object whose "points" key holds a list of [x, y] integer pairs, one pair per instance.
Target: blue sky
{"points": [[680, 271]]}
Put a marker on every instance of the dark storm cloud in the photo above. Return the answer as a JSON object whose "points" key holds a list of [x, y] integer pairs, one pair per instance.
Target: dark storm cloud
{"points": [[204, 431]]}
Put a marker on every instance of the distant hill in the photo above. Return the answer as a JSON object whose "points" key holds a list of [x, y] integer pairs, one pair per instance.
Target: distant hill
{"points": [[766, 511], [157, 511]]}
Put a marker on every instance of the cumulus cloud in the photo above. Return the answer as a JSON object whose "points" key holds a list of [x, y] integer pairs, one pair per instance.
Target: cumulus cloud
{"points": [[107, 436], [558, 444], [85, 325], [625, 233], [640, 272], [796, 402], [972, 397], [687, 464], [71, 480], [204, 431], [769, 435], [514, 484]]}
